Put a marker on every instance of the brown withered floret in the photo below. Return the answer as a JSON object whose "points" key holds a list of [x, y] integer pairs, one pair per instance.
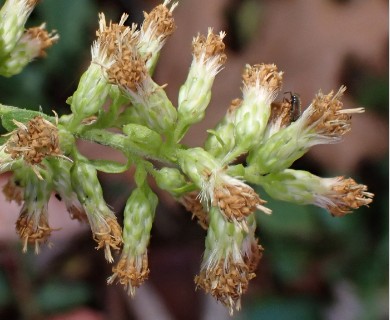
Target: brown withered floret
{"points": [[34, 141], [12, 191], [236, 202], [130, 272], [161, 20], [266, 75], [110, 35], [108, 236], [46, 39], [253, 257], [192, 204], [234, 105], [31, 231], [226, 282], [129, 70], [281, 112], [348, 195], [210, 46], [327, 117], [32, 3]]}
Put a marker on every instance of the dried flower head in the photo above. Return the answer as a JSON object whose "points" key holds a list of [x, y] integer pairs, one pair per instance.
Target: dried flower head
{"points": [[40, 39], [13, 191], [109, 35], [159, 23], [226, 282], [107, 233], [235, 199], [34, 141], [209, 48], [326, 118], [342, 196], [280, 117], [130, 272], [191, 201], [33, 227], [265, 78], [226, 270]]}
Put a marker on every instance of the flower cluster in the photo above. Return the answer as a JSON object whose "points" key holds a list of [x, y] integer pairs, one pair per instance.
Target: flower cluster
{"points": [[42, 154]]}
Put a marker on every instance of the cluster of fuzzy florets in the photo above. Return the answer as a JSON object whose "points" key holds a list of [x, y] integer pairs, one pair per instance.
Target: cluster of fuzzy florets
{"points": [[117, 91]]}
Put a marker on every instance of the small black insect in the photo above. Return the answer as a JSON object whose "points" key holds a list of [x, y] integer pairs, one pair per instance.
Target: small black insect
{"points": [[295, 102]]}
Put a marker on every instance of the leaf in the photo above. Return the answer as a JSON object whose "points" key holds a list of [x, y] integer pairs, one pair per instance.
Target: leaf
{"points": [[9, 114], [57, 296]]}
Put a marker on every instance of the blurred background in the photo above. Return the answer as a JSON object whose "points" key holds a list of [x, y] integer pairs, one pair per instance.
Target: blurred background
{"points": [[314, 266]]}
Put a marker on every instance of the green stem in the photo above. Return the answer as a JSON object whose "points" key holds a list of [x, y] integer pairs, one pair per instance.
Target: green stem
{"points": [[125, 145]]}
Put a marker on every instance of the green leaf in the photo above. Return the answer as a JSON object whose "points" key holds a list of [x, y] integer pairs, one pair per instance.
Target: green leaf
{"points": [[56, 296], [9, 114], [109, 166], [301, 307]]}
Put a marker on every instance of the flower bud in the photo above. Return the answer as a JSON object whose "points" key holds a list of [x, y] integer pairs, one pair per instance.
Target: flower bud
{"points": [[32, 225], [14, 14], [324, 121], [197, 164], [261, 85], [158, 25], [105, 229], [337, 195], [224, 273], [221, 141], [132, 269], [90, 95], [195, 93], [171, 180]]}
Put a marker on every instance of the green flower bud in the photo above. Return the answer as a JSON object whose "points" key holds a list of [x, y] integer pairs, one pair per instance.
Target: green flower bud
{"points": [[195, 93], [132, 269], [14, 14], [31, 45], [90, 95], [157, 26], [279, 151], [145, 138], [60, 171], [197, 164], [156, 108], [261, 84], [337, 195], [222, 141], [171, 180]]}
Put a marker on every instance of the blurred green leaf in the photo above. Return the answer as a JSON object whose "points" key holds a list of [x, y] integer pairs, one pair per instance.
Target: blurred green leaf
{"points": [[287, 219], [302, 308], [56, 296], [5, 293]]}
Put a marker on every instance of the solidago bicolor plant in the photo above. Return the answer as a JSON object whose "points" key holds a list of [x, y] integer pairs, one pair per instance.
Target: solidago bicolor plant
{"points": [[117, 91]]}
